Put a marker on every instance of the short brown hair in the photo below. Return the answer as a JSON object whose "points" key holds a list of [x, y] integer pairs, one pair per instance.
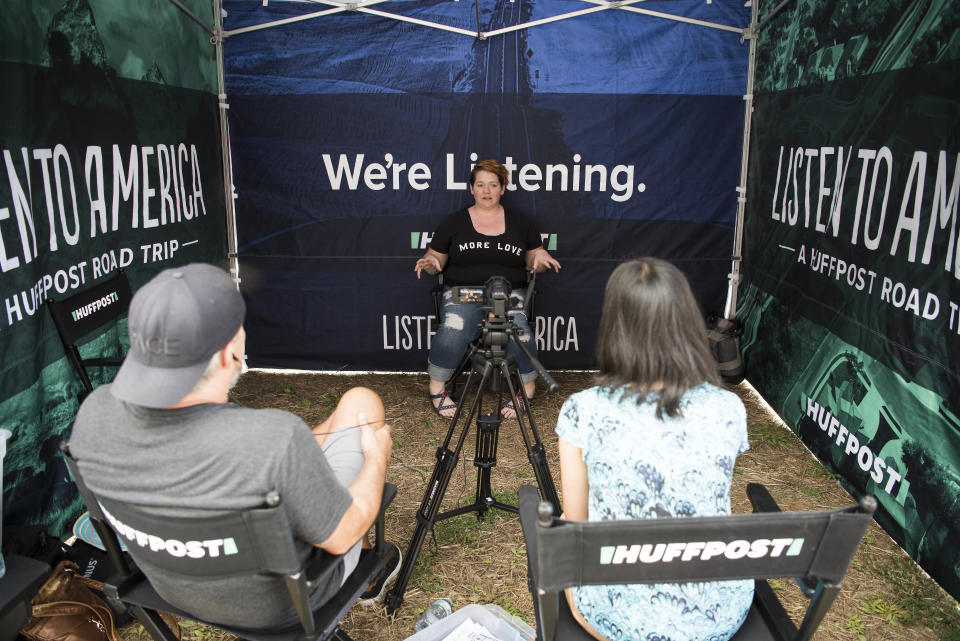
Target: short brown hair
{"points": [[494, 166], [653, 332]]}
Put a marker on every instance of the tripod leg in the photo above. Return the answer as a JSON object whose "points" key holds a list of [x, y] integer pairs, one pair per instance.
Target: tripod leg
{"points": [[436, 488], [446, 461], [485, 458], [536, 453], [464, 364]]}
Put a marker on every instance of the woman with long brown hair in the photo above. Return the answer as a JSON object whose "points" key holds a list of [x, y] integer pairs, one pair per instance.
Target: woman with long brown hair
{"points": [[656, 437]]}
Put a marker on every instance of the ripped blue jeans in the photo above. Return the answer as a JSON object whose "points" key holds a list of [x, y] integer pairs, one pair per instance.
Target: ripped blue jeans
{"points": [[460, 325]]}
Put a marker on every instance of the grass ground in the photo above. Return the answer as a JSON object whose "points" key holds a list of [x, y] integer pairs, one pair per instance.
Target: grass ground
{"points": [[885, 596]]}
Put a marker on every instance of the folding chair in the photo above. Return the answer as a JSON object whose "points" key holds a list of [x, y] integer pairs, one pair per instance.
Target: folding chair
{"points": [[814, 547], [81, 314], [260, 542]]}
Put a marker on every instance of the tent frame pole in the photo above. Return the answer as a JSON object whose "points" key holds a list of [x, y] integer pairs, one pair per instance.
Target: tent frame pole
{"points": [[660, 14], [604, 6], [730, 311], [361, 7], [192, 16], [225, 160]]}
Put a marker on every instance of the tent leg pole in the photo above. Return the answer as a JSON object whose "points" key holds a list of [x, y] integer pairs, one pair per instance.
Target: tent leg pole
{"points": [[730, 311], [227, 165]]}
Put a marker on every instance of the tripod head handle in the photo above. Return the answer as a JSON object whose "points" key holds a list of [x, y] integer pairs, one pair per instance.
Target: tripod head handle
{"points": [[542, 372]]}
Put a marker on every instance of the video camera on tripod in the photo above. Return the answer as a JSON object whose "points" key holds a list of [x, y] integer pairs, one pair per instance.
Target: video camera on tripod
{"points": [[494, 371], [494, 295], [497, 326]]}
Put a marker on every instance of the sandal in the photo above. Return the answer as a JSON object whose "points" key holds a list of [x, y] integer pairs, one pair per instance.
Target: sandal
{"points": [[443, 405], [508, 406]]}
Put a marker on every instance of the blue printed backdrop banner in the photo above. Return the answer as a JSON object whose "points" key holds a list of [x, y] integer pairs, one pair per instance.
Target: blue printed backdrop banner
{"points": [[353, 135]]}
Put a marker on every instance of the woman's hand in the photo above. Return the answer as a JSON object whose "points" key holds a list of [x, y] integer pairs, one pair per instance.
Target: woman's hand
{"points": [[540, 260], [431, 262]]}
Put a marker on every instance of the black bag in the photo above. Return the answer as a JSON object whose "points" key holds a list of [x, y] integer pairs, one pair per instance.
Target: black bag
{"points": [[723, 334]]}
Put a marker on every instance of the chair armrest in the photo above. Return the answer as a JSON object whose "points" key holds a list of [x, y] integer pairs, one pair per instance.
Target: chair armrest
{"points": [[319, 564], [546, 606], [322, 562], [766, 602], [389, 492], [437, 293], [762, 502], [529, 304], [529, 499], [760, 498], [117, 585]]}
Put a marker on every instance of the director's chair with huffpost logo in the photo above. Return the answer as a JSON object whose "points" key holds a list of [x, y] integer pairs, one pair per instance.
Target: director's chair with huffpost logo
{"points": [[242, 542], [83, 313], [814, 547]]}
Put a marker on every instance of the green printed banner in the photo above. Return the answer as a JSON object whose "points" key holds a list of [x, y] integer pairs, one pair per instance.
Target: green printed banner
{"points": [[110, 158], [851, 291]]}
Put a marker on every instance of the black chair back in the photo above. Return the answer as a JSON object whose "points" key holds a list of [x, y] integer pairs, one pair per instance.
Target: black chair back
{"points": [[233, 544], [252, 541], [78, 316], [815, 546]]}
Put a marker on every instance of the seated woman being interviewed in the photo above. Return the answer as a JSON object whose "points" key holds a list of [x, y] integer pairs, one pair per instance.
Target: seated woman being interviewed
{"points": [[469, 247], [656, 437]]}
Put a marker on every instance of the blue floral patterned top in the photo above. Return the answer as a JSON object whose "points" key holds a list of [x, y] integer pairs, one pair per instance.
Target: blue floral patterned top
{"points": [[641, 467]]}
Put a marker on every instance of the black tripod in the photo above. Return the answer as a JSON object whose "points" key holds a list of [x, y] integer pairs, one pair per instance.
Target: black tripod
{"points": [[492, 370]]}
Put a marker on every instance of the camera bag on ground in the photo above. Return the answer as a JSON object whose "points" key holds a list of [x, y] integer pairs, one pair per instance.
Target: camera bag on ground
{"points": [[70, 607], [723, 335], [66, 608]]}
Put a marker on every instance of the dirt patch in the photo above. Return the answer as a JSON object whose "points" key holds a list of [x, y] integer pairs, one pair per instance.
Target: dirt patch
{"points": [[885, 595]]}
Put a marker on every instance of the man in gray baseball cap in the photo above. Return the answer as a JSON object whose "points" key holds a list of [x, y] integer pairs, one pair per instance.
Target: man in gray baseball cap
{"points": [[164, 437], [177, 322]]}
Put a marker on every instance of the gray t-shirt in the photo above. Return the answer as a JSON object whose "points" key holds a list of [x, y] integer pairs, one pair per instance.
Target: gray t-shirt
{"points": [[204, 460]]}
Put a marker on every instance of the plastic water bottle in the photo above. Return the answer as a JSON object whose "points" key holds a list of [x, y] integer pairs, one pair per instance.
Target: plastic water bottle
{"points": [[434, 612]]}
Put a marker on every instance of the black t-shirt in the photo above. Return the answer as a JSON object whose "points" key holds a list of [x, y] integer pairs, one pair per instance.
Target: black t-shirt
{"points": [[474, 257]]}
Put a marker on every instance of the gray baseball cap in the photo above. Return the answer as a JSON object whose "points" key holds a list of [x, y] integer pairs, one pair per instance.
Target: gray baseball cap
{"points": [[177, 322]]}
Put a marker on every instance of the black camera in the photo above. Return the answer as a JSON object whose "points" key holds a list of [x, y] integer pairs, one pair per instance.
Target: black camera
{"points": [[494, 293], [495, 296]]}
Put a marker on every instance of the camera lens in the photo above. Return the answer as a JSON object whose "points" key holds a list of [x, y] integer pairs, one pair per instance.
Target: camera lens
{"points": [[497, 288]]}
